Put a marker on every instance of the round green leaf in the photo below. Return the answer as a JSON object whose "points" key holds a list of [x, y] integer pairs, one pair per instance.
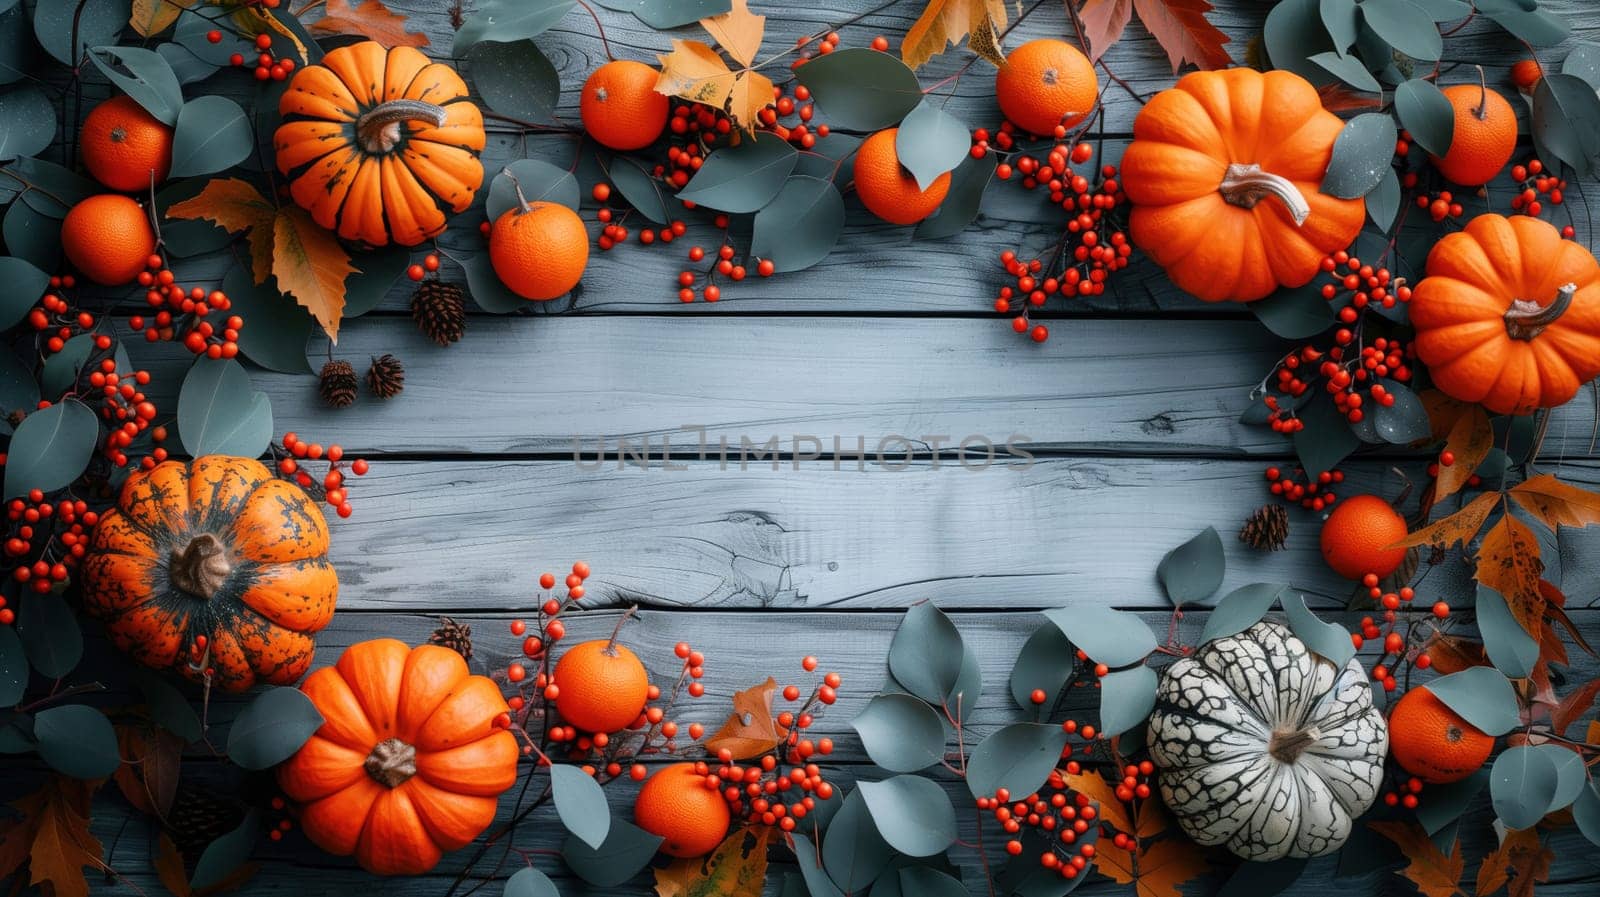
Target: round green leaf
{"points": [[515, 78], [93, 22], [925, 882], [861, 89], [190, 33], [188, 67], [1566, 119], [271, 728], [1448, 801], [1192, 572], [742, 178], [1263, 879], [25, 283], [1586, 813], [900, 733], [528, 881], [1293, 33], [1584, 62], [1383, 203], [1405, 26], [32, 236], [485, 286], [1342, 21], [581, 804], [541, 182], [13, 667], [1294, 312], [1126, 699], [626, 850], [801, 225], [377, 270], [51, 448], [63, 370], [1113, 637], [168, 707], [143, 75], [57, 189], [931, 142], [1425, 112], [508, 20], [1510, 648], [1522, 784], [1346, 68], [853, 853], [226, 854], [1403, 422], [1525, 20], [1446, 10], [1326, 439], [818, 884], [77, 741], [220, 414], [27, 121], [912, 813], [1047, 662], [1327, 640], [278, 327], [18, 51], [1571, 775], [961, 204], [642, 191], [1240, 609], [1361, 155], [664, 14], [50, 634], [925, 654], [1018, 758], [1482, 696], [212, 134]]}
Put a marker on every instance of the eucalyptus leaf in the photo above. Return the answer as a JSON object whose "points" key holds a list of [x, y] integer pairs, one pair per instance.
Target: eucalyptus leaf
{"points": [[77, 740], [1347, 69], [279, 327], [220, 414], [1294, 312], [1126, 699], [642, 191], [1293, 33], [1510, 648], [742, 178], [1403, 422], [515, 78], [32, 236], [1192, 572], [50, 448], [143, 75], [1526, 20], [962, 698], [1326, 440], [1566, 119], [581, 804], [853, 853], [1586, 813], [1482, 696], [1405, 26], [50, 634], [485, 286], [56, 189], [13, 667], [664, 14], [1018, 758], [92, 22], [1240, 609], [64, 371], [900, 733], [1361, 154], [922, 881], [1426, 114], [191, 32], [540, 181], [1047, 663], [1113, 637], [1341, 20], [18, 50], [1383, 203], [528, 881], [508, 20], [1445, 10], [1446, 802], [212, 133], [225, 855], [912, 813], [963, 201], [925, 653], [168, 707], [626, 850], [1571, 774], [1584, 62], [272, 727], [378, 270], [1263, 878], [860, 88], [931, 142], [1522, 785], [1327, 640], [188, 67], [24, 283], [27, 121], [800, 226], [818, 884]]}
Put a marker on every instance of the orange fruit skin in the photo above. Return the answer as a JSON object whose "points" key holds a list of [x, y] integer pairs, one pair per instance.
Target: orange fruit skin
{"points": [[620, 106], [123, 144], [1356, 534], [676, 805], [1526, 73], [107, 238], [539, 252], [887, 189], [1432, 742], [599, 691], [1481, 147], [1046, 83]]}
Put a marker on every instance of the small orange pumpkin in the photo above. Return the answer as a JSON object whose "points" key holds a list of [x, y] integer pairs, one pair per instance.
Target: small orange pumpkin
{"points": [[378, 144], [408, 762], [1223, 173], [219, 548], [1509, 315]]}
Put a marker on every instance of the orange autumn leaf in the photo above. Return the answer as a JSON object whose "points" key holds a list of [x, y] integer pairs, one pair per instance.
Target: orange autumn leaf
{"points": [[737, 868], [751, 92], [1433, 872], [1508, 562], [1469, 439], [235, 205], [1159, 870], [693, 71], [737, 31], [1592, 734], [1452, 653], [311, 266], [1153, 819], [170, 870], [1181, 28], [1458, 528], [52, 837], [370, 19], [946, 22], [1517, 864], [1113, 811], [1103, 23], [254, 20], [148, 18], [750, 730], [1556, 503]]}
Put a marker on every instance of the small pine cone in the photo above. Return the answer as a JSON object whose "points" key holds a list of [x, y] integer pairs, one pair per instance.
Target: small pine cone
{"points": [[338, 384], [440, 311], [455, 636], [1267, 529], [386, 377], [198, 818]]}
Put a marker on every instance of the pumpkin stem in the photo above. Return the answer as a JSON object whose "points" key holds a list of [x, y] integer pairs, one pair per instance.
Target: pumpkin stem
{"points": [[200, 567], [1245, 185], [1526, 319], [1287, 745], [378, 129], [611, 646], [391, 762]]}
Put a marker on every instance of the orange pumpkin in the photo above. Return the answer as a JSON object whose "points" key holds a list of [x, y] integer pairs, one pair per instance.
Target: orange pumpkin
{"points": [[219, 548], [408, 762], [1509, 315], [1223, 173], [378, 144]]}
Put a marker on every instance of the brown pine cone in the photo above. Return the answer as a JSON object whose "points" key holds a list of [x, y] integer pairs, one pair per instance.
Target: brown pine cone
{"points": [[337, 384], [387, 377], [455, 636], [1267, 529], [440, 311], [198, 817]]}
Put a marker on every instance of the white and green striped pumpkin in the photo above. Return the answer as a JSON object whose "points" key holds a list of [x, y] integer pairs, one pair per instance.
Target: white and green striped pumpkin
{"points": [[1266, 747]]}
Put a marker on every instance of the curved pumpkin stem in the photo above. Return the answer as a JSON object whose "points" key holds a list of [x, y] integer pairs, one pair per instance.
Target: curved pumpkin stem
{"points": [[1287, 746], [391, 762], [1526, 319], [1245, 185], [200, 567], [378, 129]]}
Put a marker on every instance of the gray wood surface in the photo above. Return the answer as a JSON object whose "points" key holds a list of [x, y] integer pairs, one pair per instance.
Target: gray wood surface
{"points": [[1131, 410]]}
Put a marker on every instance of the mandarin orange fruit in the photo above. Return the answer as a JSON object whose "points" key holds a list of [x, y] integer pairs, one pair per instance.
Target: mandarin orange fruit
{"points": [[124, 146], [539, 249], [601, 686], [108, 238], [1433, 742], [887, 189], [1046, 83], [680, 806], [1485, 135], [620, 107], [1357, 536]]}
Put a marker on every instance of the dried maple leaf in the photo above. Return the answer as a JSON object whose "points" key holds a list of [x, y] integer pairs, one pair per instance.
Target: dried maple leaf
{"points": [[1433, 872], [148, 776], [737, 868], [1469, 439], [1153, 819], [252, 21], [1458, 528], [151, 17], [1103, 23], [1575, 704], [1159, 869], [737, 31], [1517, 864], [1112, 811], [62, 844], [1508, 562], [370, 19], [311, 266], [1556, 503], [945, 22], [694, 72], [1181, 28], [235, 205], [750, 730]]}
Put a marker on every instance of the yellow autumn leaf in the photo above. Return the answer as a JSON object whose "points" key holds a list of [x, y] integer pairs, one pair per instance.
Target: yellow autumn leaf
{"points": [[1458, 528], [693, 71], [1113, 811], [369, 19], [751, 93], [1469, 440], [1556, 503], [235, 205], [737, 31], [946, 22], [151, 17], [1509, 563], [311, 266], [252, 21], [1434, 872]]}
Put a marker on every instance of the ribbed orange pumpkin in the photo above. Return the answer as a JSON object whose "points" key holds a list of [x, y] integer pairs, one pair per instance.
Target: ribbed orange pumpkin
{"points": [[1509, 315], [408, 763], [378, 144], [220, 548], [1224, 171]]}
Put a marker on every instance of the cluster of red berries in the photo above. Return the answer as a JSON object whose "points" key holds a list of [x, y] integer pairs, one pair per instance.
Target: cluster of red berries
{"points": [[183, 315], [267, 66], [764, 792], [723, 266], [1068, 819], [200, 658], [1384, 631], [54, 534], [1439, 206], [1359, 286], [1298, 486], [1537, 189], [53, 312], [296, 451], [279, 806], [827, 43], [1405, 794], [128, 412], [789, 117], [430, 264]]}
